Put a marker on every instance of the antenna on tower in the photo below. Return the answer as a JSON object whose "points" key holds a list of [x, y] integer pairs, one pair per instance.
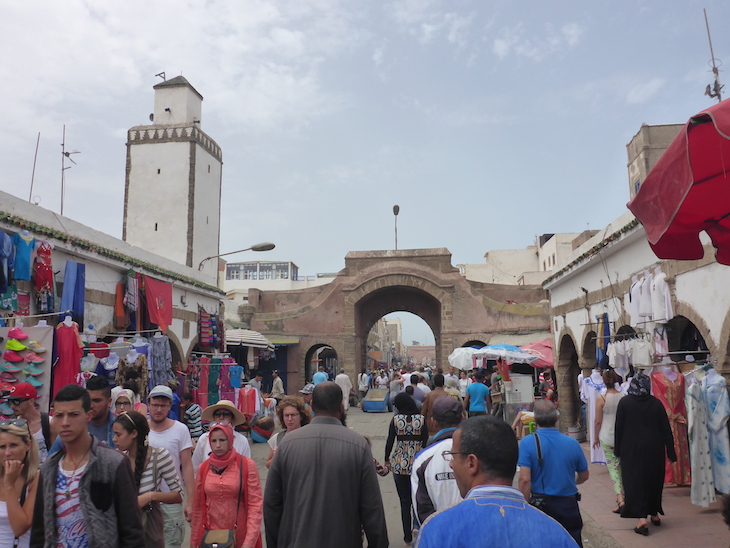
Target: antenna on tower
{"points": [[161, 75], [64, 155], [713, 90]]}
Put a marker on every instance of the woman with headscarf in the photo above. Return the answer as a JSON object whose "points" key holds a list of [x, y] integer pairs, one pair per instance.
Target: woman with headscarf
{"points": [[643, 440], [227, 492], [408, 427]]}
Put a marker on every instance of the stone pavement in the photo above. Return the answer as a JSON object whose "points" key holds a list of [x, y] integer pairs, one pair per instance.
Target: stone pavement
{"points": [[684, 524]]}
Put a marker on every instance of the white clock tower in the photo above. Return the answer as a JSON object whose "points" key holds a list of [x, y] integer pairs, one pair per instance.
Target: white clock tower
{"points": [[172, 191]]}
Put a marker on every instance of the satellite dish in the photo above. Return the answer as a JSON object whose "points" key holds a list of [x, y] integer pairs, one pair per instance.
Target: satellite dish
{"points": [[152, 117]]}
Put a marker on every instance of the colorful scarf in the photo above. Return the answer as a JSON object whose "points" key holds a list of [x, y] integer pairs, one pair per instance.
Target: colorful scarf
{"points": [[222, 462]]}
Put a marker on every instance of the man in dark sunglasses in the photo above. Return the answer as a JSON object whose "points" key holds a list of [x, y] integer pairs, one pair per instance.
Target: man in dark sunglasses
{"points": [[22, 401]]}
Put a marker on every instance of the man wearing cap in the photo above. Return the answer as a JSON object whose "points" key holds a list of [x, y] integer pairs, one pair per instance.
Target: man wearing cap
{"points": [[433, 486], [224, 410], [22, 400], [175, 437], [306, 393]]}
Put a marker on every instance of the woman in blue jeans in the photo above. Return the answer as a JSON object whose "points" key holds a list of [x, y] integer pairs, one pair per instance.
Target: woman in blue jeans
{"points": [[409, 432]]}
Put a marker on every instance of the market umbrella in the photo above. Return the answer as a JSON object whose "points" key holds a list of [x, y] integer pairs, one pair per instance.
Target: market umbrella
{"points": [[688, 190], [461, 358], [543, 349], [505, 352]]}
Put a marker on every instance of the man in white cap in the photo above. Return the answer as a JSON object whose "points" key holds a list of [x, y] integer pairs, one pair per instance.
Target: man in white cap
{"points": [[175, 437], [224, 410]]}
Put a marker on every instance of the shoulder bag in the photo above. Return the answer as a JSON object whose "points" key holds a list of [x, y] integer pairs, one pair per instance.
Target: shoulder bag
{"points": [[153, 522], [539, 502], [225, 538]]}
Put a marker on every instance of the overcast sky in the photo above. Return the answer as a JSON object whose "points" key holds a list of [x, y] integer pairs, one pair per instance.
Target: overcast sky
{"points": [[487, 122]]}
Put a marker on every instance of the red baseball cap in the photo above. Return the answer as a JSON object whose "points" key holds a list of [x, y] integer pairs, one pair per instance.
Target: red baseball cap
{"points": [[24, 390]]}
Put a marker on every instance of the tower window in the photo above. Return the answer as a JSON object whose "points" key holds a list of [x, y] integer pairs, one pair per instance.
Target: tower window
{"points": [[158, 172], [208, 168], [155, 227], [206, 220]]}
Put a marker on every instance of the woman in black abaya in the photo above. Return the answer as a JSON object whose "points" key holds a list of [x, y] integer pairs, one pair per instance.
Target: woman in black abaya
{"points": [[643, 441]]}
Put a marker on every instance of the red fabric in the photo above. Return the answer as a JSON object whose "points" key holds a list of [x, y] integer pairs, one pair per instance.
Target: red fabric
{"points": [[120, 316], [543, 349], [159, 302], [44, 268], [671, 394], [203, 388], [687, 191], [247, 401], [70, 352], [229, 457]]}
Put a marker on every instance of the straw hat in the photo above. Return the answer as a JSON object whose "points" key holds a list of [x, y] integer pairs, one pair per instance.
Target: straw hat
{"points": [[224, 405]]}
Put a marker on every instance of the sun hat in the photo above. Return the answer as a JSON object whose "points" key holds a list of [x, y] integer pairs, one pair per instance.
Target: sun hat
{"points": [[223, 405]]}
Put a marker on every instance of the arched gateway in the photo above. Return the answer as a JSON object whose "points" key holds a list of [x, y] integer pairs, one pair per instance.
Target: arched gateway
{"points": [[375, 283]]}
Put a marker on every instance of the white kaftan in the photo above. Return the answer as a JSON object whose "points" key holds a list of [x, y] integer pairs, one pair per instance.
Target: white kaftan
{"points": [[702, 492], [714, 390], [590, 389]]}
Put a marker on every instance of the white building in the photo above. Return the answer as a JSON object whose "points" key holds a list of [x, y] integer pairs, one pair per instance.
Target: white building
{"points": [[172, 192]]}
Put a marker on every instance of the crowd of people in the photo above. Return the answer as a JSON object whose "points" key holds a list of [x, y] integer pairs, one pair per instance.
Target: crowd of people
{"points": [[102, 473]]}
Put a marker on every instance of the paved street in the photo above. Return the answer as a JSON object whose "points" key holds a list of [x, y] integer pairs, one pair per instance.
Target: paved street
{"points": [[684, 524]]}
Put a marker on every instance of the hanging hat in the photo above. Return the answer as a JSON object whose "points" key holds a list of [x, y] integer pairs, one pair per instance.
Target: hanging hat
{"points": [[224, 405]]}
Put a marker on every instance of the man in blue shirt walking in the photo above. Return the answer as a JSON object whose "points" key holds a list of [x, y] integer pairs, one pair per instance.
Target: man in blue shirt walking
{"points": [[549, 477]]}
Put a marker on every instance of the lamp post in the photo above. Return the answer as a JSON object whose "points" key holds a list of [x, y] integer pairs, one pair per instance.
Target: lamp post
{"points": [[396, 210], [263, 246]]}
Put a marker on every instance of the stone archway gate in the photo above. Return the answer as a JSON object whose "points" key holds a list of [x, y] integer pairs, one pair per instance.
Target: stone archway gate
{"points": [[374, 283]]}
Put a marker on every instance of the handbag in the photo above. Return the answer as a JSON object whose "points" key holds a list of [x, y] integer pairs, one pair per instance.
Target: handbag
{"points": [[224, 538], [153, 522]]}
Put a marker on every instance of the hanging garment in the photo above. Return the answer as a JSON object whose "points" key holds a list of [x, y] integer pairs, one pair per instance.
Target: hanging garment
{"points": [[224, 380], [235, 373], [645, 310], [7, 260], [641, 353], [131, 295], [603, 336], [70, 351], [671, 393], [661, 343], [120, 315], [205, 328], [213, 375], [591, 388], [714, 390], [139, 365], [161, 355], [74, 287], [107, 367], [702, 492], [43, 274], [24, 246], [249, 402], [661, 302], [634, 298], [203, 390]]}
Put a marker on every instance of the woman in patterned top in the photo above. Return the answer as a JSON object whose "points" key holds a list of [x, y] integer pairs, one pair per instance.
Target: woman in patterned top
{"points": [[409, 428], [150, 465]]}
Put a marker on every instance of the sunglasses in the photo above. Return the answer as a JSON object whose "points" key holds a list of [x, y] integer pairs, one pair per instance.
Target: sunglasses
{"points": [[19, 423], [220, 423], [16, 401]]}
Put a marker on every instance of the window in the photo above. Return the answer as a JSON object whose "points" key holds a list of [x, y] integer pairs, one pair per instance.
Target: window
{"points": [[553, 259]]}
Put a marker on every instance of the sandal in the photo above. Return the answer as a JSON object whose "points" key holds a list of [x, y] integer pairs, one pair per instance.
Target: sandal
{"points": [[656, 520], [617, 510]]}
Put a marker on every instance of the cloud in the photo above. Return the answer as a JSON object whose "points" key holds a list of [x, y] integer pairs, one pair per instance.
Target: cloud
{"points": [[514, 41], [644, 91], [428, 21]]}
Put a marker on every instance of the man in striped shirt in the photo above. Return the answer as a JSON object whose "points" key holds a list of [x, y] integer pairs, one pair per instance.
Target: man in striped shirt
{"points": [[191, 416]]}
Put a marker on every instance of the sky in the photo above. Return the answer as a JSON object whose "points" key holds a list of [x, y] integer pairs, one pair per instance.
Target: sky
{"points": [[488, 123]]}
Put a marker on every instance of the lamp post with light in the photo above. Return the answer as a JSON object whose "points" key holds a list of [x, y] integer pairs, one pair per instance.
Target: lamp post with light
{"points": [[263, 246]]}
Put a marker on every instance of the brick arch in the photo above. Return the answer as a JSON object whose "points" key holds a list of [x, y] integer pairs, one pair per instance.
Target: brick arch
{"points": [[567, 370], [373, 298], [309, 352]]}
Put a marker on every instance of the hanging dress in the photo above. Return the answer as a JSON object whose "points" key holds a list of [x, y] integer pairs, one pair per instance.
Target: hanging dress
{"points": [[671, 394], [591, 388], [43, 274], [702, 492], [718, 408], [203, 390], [70, 351], [213, 387]]}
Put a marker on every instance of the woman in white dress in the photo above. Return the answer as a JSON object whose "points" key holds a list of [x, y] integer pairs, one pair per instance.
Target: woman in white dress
{"points": [[464, 382], [19, 463]]}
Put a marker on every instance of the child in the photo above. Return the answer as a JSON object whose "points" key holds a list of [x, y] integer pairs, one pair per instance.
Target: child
{"points": [[192, 416]]}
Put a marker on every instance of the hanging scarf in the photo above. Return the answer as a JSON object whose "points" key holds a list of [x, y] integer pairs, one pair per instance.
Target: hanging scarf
{"points": [[640, 386], [222, 462]]}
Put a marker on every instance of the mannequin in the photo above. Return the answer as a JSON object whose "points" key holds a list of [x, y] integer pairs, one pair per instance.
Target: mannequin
{"points": [[670, 372], [111, 361], [132, 355], [68, 321], [591, 388]]}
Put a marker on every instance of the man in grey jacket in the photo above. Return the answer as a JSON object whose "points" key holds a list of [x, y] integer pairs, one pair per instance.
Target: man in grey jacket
{"points": [[322, 488], [86, 494]]}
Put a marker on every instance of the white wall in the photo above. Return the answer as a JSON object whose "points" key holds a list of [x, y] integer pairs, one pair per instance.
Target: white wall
{"points": [[185, 106], [207, 209]]}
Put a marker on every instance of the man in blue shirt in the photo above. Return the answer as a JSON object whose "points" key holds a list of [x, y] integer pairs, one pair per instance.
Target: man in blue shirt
{"points": [[493, 513], [553, 475], [319, 376], [477, 393]]}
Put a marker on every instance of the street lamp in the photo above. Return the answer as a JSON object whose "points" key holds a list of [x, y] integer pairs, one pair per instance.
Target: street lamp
{"points": [[396, 210], [263, 246]]}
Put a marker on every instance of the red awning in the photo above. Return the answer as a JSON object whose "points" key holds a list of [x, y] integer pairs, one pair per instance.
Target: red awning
{"points": [[688, 190]]}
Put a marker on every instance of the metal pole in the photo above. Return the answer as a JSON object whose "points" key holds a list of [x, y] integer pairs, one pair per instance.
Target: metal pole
{"points": [[35, 160], [63, 166], [396, 210]]}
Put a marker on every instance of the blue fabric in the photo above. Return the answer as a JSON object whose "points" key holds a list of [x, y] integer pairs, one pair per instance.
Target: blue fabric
{"points": [[493, 515], [234, 374], [319, 376], [7, 259], [175, 409], [562, 457], [23, 249], [477, 396], [74, 286]]}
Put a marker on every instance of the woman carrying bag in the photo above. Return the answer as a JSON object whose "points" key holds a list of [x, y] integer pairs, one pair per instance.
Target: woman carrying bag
{"points": [[150, 466], [228, 502]]}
